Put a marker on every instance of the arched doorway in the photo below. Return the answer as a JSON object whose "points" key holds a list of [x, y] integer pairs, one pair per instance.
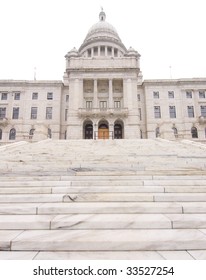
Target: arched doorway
{"points": [[118, 130], [103, 130], [88, 129], [194, 132]]}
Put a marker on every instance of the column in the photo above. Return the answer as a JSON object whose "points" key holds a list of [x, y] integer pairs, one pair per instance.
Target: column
{"points": [[92, 52], [111, 105], [95, 94]]}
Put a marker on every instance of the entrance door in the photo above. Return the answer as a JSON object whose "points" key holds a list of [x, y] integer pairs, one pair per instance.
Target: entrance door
{"points": [[88, 131], [117, 131], [103, 132]]}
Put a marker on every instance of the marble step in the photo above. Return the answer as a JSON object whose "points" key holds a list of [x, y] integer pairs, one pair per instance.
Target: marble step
{"points": [[81, 190], [85, 221], [187, 220], [106, 255], [103, 197], [99, 189], [95, 208], [103, 240], [102, 208]]}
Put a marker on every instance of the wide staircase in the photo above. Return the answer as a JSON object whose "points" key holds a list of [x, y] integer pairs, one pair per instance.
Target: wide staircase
{"points": [[104, 199]]}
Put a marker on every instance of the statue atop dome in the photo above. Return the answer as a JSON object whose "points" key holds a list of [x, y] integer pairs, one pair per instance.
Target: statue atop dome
{"points": [[102, 15]]}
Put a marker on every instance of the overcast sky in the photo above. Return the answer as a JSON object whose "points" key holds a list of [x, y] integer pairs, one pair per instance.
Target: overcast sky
{"points": [[38, 33]]}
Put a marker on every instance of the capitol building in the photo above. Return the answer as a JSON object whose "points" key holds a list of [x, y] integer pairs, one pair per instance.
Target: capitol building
{"points": [[102, 96]]}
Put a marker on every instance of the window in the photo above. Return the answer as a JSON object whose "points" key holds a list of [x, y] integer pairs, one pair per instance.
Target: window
{"points": [[17, 96], [109, 51], [157, 132], [49, 133], [67, 98], [0, 134], [33, 113], [66, 114], [141, 134], [31, 133], [102, 51], [12, 134], [140, 114], [2, 113], [194, 132], [138, 97], [203, 111], [157, 112], [88, 105], [156, 94], [117, 104], [34, 95], [48, 113], [103, 105], [49, 95], [171, 94], [95, 50], [4, 95], [201, 94], [115, 52], [172, 111], [15, 114], [188, 94], [89, 52], [175, 131], [190, 111]]}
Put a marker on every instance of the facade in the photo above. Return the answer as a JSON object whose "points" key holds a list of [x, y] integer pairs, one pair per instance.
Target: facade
{"points": [[102, 96]]}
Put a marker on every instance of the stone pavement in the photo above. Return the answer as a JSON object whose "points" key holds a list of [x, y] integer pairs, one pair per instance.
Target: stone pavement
{"points": [[104, 199]]}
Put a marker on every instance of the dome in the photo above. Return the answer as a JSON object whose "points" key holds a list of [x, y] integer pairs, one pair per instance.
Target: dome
{"points": [[102, 28], [102, 31]]}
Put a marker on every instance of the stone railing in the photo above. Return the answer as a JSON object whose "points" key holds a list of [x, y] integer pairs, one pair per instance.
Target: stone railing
{"points": [[103, 112]]}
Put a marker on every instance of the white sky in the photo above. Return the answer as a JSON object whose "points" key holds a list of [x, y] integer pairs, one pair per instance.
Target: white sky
{"points": [[38, 33]]}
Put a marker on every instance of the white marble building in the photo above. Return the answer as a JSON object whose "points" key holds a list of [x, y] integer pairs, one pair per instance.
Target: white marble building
{"points": [[102, 95]]}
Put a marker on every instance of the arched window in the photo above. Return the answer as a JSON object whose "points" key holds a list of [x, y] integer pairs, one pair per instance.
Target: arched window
{"points": [[12, 134], [175, 131], [0, 134], [49, 133], [157, 132], [194, 132]]}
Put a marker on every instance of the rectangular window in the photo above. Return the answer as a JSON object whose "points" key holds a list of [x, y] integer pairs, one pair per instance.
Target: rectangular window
{"points": [[34, 95], [2, 113], [4, 95], [138, 97], [66, 114], [188, 94], [49, 95], [140, 114], [88, 105], [15, 114], [17, 96], [171, 94], [156, 94], [172, 111], [157, 112], [48, 113], [33, 113], [117, 104], [103, 105], [203, 111], [190, 111], [67, 98], [201, 94]]}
